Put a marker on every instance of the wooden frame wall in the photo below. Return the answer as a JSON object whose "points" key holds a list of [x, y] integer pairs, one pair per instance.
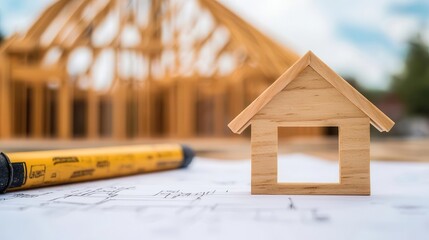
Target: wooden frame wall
{"points": [[163, 103], [354, 159]]}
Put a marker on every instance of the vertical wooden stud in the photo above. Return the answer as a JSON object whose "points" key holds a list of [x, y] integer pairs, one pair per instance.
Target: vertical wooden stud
{"points": [[93, 114], [264, 156], [37, 110], [5, 102], [354, 140], [64, 109], [119, 112]]}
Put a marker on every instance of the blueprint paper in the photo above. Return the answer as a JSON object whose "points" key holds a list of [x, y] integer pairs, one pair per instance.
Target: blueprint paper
{"points": [[211, 200]]}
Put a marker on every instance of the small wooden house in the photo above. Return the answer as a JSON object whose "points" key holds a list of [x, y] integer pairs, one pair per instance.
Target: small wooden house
{"points": [[310, 94]]}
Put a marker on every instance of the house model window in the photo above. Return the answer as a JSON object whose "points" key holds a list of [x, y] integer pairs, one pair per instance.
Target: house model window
{"points": [[310, 94]]}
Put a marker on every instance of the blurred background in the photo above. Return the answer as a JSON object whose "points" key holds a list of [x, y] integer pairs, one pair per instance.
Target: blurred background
{"points": [[138, 69]]}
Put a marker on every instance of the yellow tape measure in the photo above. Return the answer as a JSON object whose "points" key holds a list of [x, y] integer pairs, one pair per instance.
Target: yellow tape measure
{"points": [[43, 168]]}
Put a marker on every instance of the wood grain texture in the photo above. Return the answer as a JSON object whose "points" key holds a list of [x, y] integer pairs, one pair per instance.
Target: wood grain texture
{"points": [[34, 74], [353, 159], [119, 111], [167, 80], [338, 86], [37, 111], [239, 123], [354, 143], [93, 114], [264, 156], [64, 113], [5, 103], [378, 118], [309, 98]]}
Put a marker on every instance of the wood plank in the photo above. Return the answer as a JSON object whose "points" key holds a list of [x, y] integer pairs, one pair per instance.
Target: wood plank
{"points": [[40, 25], [241, 121], [219, 113], [5, 100], [19, 104], [172, 110], [186, 99], [309, 98], [35, 73], [353, 153], [378, 118], [68, 21], [64, 110], [264, 156], [93, 114], [146, 103], [75, 37], [354, 144], [141, 113], [119, 112], [37, 111]]}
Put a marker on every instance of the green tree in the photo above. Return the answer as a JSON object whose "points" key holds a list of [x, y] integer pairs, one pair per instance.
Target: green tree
{"points": [[1, 35], [412, 84]]}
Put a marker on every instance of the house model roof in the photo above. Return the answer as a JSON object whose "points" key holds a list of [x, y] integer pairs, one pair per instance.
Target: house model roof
{"points": [[378, 119]]}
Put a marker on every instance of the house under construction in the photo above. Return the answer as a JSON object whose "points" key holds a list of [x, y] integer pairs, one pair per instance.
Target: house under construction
{"points": [[142, 68]]}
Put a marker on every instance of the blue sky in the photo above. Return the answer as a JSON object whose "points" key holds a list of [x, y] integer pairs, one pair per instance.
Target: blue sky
{"points": [[365, 39]]}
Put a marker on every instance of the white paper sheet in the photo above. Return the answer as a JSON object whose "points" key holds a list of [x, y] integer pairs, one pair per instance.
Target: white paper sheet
{"points": [[211, 200]]}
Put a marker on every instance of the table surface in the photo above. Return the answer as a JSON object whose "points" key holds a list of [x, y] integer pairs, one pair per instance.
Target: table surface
{"points": [[211, 199], [385, 149]]}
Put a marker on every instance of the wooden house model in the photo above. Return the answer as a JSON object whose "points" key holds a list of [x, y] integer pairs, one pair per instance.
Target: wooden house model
{"points": [[310, 94]]}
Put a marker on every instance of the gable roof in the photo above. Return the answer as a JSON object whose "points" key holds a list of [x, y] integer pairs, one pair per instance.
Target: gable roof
{"points": [[378, 119]]}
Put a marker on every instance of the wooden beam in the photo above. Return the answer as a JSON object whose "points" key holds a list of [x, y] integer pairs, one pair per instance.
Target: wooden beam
{"points": [[64, 104], [5, 100], [64, 111], [119, 112], [37, 112], [73, 17], [219, 113], [34, 73], [73, 38], [93, 114], [39, 26], [186, 105]]}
